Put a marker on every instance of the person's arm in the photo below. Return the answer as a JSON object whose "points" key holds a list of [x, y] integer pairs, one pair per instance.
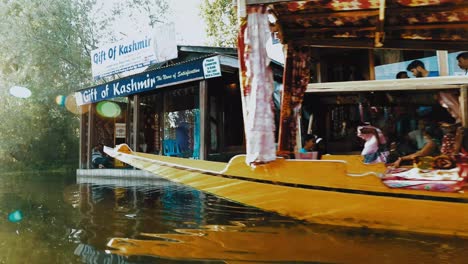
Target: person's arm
{"points": [[425, 151]]}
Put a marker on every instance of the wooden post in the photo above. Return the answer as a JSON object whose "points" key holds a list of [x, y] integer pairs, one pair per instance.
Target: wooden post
{"points": [[464, 104], [90, 138], [371, 64], [83, 117], [442, 61], [298, 144], [135, 118], [203, 93]]}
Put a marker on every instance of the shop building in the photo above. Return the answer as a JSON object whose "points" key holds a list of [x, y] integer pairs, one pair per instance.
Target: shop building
{"points": [[188, 107]]}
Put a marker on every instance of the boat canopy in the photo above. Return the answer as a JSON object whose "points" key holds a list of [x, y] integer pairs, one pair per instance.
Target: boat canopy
{"points": [[366, 24], [397, 24]]}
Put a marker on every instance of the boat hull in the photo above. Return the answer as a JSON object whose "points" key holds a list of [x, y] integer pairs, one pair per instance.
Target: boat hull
{"points": [[316, 191]]}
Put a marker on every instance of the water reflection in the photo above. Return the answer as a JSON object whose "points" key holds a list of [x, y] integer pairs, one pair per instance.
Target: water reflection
{"points": [[160, 219], [297, 243], [127, 209], [104, 220]]}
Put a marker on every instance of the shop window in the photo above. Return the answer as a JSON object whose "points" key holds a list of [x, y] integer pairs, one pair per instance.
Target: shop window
{"points": [[150, 111], [225, 121], [182, 119]]}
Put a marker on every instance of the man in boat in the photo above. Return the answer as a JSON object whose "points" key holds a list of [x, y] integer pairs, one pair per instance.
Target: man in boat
{"points": [[462, 59], [419, 70]]}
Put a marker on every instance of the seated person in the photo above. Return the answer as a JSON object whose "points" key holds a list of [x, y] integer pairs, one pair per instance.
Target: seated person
{"points": [[98, 159], [309, 144], [374, 150], [416, 136], [394, 153], [402, 75], [431, 148], [309, 151]]}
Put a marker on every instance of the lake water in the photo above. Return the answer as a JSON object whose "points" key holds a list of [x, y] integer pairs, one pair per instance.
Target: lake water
{"points": [[66, 219]]}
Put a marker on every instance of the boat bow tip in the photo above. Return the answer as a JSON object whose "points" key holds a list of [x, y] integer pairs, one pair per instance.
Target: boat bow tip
{"points": [[122, 148]]}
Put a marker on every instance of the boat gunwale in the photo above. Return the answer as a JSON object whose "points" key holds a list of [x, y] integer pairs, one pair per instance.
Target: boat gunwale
{"points": [[413, 196]]}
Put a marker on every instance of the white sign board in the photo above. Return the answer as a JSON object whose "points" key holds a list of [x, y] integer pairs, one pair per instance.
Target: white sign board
{"points": [[211, 67], [120, 130], [135, 52]]}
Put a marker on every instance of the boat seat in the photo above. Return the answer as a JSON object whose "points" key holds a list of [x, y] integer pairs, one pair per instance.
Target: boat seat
{"points": [[171, 148]]}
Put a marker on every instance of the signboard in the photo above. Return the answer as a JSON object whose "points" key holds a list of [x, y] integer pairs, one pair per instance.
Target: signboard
{"points": [[134, 52], [211, 67], [146, 81], [120, 130]]}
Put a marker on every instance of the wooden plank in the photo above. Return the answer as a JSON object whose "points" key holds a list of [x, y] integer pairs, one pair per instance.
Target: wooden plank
{"points": [[109, 175], [400, 44], [333, 42], [428, 9], [337, 30], [429, 26], [432, 83], [319, 15], [424, 44], [257, 2], [442, 61]]}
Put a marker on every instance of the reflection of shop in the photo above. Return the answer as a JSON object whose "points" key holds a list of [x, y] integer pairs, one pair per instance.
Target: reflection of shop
{"points": [[190, 108]]}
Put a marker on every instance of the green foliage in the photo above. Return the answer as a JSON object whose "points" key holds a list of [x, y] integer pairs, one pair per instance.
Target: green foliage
{"points": [[46, 46], [221, 21]]}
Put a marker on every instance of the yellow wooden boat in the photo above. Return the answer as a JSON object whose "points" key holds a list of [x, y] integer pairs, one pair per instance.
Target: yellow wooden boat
{"points": [[337, 190]]}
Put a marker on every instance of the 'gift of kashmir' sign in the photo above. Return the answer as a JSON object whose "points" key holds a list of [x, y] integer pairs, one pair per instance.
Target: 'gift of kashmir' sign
{"points": [[135, 52], [185, 72]]}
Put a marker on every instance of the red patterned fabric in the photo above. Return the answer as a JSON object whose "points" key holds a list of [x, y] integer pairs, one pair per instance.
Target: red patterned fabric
{"points": [[448, 144], [257, 87], [295, 79]]}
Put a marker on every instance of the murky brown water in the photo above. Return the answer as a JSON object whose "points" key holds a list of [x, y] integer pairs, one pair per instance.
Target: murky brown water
{"points": [[103, 220]]}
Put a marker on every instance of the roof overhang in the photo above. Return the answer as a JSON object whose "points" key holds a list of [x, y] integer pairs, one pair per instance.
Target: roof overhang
{"points": [[395, 24]]}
